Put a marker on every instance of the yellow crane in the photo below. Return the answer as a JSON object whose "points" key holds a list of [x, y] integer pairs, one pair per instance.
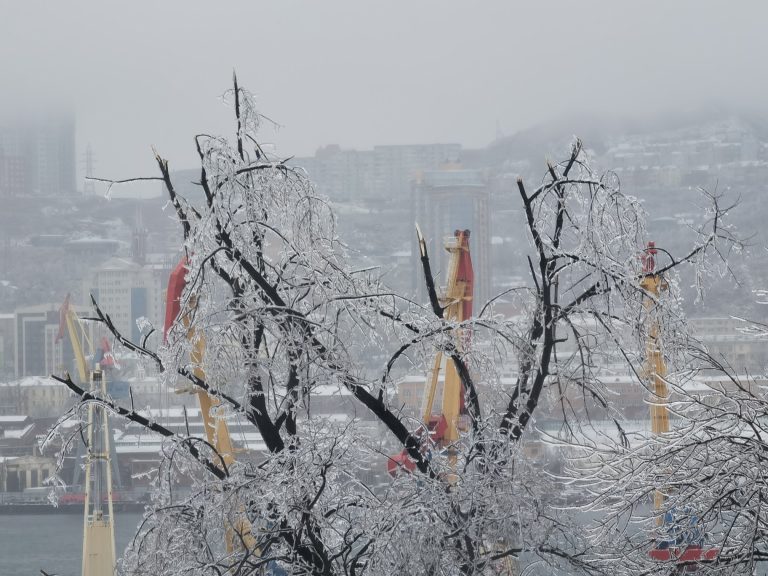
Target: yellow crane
{"points": [[216, 429], [656, 368], [98, 523], [444, 428], [683, 549], [457, 300]]}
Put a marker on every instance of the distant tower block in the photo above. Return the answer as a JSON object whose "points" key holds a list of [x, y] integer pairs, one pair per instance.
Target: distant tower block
{"points": [[89, 187], [453, 199]]}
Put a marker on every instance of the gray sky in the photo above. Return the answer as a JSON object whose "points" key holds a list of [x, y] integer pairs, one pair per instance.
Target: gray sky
{"points": [[361, 73]]}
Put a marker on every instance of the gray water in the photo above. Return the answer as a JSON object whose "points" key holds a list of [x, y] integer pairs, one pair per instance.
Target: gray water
{"points": [[52, 542]]}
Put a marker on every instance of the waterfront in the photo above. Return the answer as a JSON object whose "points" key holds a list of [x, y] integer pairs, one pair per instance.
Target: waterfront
{"points": [[52, 542]]}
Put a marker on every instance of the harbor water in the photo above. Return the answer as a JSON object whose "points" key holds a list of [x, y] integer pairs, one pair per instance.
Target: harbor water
{"points": [[51, 542]]}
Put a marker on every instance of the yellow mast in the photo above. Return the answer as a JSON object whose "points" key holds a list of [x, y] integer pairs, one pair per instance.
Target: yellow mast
{"points": [[656, 368], [457, 299], [216, 429], [98, 526]]}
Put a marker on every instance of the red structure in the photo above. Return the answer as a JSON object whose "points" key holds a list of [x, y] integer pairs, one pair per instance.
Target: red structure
{"points": [[176, 284]]}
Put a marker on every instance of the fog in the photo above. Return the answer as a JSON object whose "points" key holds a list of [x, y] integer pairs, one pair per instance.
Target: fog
{"points": [[359, 74], [425, 111]]}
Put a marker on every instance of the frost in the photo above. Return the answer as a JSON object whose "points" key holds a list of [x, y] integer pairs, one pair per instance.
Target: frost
{"points": [[276, 327], [144, 325]]}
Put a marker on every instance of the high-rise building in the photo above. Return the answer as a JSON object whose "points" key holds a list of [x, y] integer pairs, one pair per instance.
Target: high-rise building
{"points": [[37, 156], [127, 291], [448, 200], [38, 351], [396, 166], [383, 174], [343, 175]]}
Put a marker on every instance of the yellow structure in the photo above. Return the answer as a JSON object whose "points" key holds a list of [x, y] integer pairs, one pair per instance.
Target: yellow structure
{"points": [[98, 525], [457, 303], [74, 328], [238, 532], [216, 430], [656, 368]]}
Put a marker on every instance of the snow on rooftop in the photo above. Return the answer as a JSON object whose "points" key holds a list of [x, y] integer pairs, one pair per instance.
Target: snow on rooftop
{"points": [[18, 432], [142, 449], [176, 412], [330, 390], [13, 418], [91, 239], [33, 381], [152, 443]]}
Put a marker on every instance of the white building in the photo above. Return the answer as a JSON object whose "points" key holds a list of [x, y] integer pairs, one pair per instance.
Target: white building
{"points": [[34, 396], [126, 291]]}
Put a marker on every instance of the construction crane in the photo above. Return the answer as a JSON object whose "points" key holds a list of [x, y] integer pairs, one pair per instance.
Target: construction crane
{"points": [[98, 522], [442, 430], [216, 429], [685, 545], [656, 368]]}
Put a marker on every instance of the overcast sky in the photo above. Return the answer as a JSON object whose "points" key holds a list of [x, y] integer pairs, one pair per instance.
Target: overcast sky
{"points": [[361, 73]]}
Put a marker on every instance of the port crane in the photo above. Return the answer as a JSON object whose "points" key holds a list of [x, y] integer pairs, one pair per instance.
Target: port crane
{"points": [[216, 429], [98, 515], [442, 430], [685, 547]]}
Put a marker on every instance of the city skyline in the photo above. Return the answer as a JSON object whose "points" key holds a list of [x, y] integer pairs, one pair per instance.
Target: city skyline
{"points": [[431, 72]]}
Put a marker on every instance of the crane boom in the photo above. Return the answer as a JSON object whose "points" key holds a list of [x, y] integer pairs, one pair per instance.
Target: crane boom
{"points": [[68, 319], [456, 301], [216, 429], [680, 549]]}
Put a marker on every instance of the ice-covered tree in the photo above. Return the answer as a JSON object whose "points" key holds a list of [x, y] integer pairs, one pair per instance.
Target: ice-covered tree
{"points": [[283, 312], [710, 471]]}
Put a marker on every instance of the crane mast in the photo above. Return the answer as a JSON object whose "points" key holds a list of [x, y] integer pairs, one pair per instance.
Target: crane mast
{"points": [[216, 429], [98, 522], [98, 525], [656, 368], [457, 303], [685, 549], [456, 300]]}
